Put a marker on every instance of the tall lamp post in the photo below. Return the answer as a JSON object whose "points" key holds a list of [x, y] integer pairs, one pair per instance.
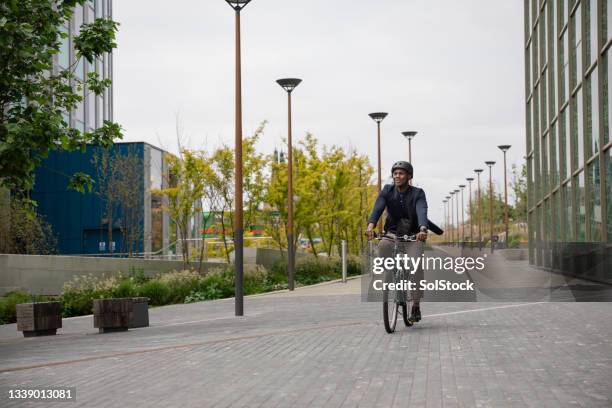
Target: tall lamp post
{"points": [[238, 5], [452, 215], [457, 209], [470, 212], [490, 164], [445, 220], [478, 171], [289, 84], [462, 186], [448, 225], [409, 135], [505, 148], [378, 117]]}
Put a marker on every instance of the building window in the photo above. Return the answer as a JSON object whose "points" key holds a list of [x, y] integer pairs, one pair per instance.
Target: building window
{"points": [[564, 135], [555, 214], [63, 58], [608, 190], [580, 207], [544, 164], [607, 21], [577, 45], [564, 75], [578, 131], [564, 4], [535, 61], [592, 47], [554, 157], [553, 65], [543, 107], [529, 69], [592, 96], [607, 97], [530, 181], [543, 38], [595, 219], [529, 127], [567, 212]]}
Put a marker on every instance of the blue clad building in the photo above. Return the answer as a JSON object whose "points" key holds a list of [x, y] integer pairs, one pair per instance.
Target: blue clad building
{"points": [[80, 220]]}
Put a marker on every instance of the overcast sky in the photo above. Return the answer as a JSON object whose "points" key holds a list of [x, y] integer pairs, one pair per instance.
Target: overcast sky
{"points": [[451, 70]]}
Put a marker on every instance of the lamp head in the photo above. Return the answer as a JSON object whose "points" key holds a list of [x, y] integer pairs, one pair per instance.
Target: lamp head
{"points": [[489, 163], [238, 4], [470, 179], [378, 116], [289, 84], [461, 185], [478, 171], [409, 134], [504, 148], [456, 191]]}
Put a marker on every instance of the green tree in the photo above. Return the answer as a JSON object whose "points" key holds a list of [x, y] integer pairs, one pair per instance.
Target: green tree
{"points": [[35, 96], [519, 186]]}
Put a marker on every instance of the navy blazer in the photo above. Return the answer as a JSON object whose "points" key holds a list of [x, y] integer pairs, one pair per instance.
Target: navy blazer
{"points": [[415, 207]]}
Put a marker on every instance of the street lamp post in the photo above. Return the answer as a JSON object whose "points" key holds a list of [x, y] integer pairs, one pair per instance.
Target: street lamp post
{"points": [[462, 186], [505, 148], [478, 171], [238, 5], [452, 214], [470, 212], [444, 222], [378, 117], [409, 135], [289, 84], [490, 164], [457, 209], [448, 225]]}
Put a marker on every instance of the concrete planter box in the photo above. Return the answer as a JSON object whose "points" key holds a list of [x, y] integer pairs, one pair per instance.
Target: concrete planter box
{"points": [[514, 254], [140, 312], [112, 315], [39, 319]]}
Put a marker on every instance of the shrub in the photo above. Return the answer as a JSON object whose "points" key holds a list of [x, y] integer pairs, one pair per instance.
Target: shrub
{"points": [[8, 305], [180, 284], [157, 292], [78, 294]]}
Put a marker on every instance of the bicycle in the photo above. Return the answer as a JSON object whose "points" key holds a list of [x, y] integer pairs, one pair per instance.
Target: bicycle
{"points": [[395, 298]]}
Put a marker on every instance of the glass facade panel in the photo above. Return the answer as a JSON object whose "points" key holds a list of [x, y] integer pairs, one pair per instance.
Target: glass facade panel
{"points": [[607, 22], [543, 38], [567, 213], [578, 131], [565, 136], [98, 7], [592, 96], [580, 207], [564, 58], [529, 127], [564, 4], [553, 62], [577, 45], [63, 58], [554, 157], [78, 19], [607, 97], [543, 106], [592, 31], [608, 190], [555, 214], [595, 219], [544, 165]]}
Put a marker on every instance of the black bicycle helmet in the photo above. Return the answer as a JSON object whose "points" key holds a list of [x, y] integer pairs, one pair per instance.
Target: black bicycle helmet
{"points": [[407, 167]]}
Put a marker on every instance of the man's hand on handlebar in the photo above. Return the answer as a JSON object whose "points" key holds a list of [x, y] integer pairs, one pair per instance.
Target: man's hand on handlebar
{"points": [[370, 231], [422, 235]]}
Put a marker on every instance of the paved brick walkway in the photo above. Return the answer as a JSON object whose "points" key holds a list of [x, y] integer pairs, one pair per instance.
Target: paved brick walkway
{"points": [[321, 346]]}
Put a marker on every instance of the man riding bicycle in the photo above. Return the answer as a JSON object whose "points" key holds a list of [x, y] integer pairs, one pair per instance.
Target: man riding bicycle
{"points": [[406, 207]]}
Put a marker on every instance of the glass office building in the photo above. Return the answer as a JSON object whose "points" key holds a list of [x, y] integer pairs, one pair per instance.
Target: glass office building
{"points": [[93, 110], [569, 149]]}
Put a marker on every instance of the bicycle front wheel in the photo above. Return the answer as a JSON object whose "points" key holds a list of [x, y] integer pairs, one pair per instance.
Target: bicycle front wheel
{"points": [[390, 309]]}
